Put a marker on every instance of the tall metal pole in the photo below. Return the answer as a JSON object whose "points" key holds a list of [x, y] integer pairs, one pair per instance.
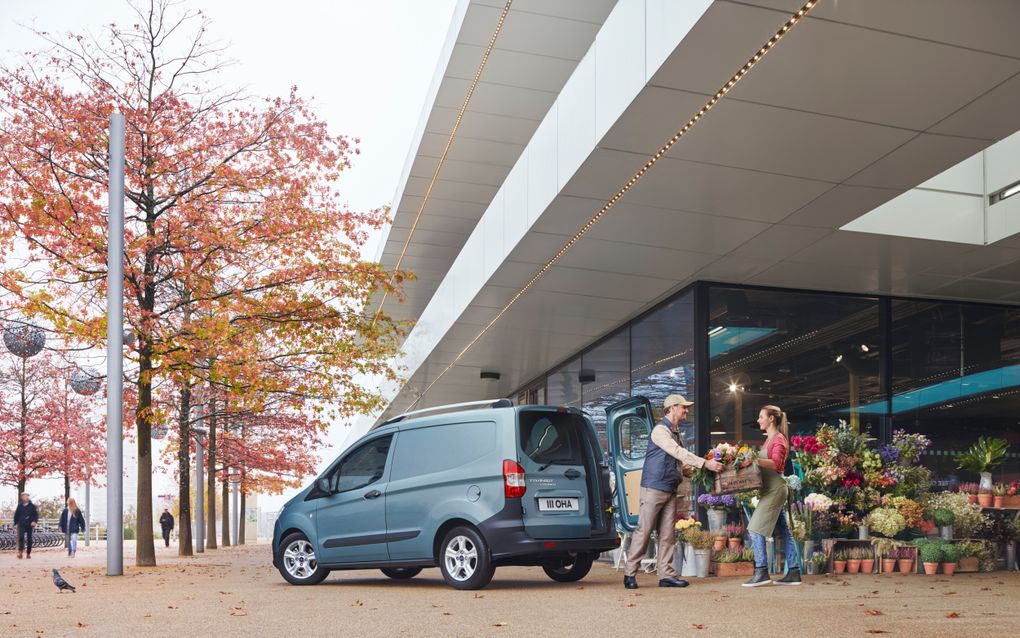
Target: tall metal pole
{"points": [[200, 488], [88, 508], [114, 354]]}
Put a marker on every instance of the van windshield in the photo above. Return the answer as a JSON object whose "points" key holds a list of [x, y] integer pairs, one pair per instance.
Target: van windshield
{"points": [[552, 437]]}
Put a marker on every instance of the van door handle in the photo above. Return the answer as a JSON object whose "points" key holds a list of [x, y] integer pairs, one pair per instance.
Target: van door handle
{"points": [[571, 474], [373, 494]]}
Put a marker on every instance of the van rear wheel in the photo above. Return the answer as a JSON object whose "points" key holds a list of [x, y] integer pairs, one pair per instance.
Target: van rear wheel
{"points": [[401, 573], [464, 559], [572, 570]]}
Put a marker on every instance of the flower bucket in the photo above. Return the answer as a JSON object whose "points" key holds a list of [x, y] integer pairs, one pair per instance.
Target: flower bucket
{"points": [[689, 568], [946, 532], [701, 561], [862, 532], [986, 483], [716, 520], [906, 565]]}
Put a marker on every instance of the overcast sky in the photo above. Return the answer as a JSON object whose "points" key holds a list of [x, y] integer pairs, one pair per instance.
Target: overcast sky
{"points": [[367, 64]]}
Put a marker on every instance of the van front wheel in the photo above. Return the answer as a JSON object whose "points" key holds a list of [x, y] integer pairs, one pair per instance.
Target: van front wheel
{"points": [[464, 559], [298, 564], [572, 570]]}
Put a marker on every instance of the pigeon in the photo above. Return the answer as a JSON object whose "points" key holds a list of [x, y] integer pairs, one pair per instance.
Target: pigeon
{"points": [[61, 584]]}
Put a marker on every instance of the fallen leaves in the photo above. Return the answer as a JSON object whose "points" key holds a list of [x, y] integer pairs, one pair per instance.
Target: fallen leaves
{"points": [[953, 614], [873, 612], [697, 625], [499, 624], [357, 603], [876, 631]]}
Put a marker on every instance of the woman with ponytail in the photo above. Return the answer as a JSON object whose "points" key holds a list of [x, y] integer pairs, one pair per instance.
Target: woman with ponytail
{"points": [[769, 517]]}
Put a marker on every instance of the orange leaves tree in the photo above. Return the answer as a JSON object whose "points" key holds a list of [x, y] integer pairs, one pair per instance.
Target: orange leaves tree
{"points": [[238, 246]]}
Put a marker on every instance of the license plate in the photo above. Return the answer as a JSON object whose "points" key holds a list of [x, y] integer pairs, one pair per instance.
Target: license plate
{"points": [[546, 504]]}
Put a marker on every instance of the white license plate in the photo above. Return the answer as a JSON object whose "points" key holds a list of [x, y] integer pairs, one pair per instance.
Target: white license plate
{"points": [[546, 504]]}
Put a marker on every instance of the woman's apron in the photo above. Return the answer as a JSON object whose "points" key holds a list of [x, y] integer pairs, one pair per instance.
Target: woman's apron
{"points": [[771, 500]]}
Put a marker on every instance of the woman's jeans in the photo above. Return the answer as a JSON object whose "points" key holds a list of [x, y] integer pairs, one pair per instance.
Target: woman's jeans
{"points": [[72, 544], [782, 531]]}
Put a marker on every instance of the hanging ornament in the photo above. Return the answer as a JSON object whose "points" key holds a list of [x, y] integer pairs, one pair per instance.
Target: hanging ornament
{"points": [[86, 381], [23, 339]]}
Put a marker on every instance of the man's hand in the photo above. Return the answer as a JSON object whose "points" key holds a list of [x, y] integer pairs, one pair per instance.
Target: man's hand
{"points": [[33, 523], [714, 466]]}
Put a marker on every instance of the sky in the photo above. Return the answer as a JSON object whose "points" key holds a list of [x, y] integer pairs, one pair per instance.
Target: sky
{"points": [[367, 64]]}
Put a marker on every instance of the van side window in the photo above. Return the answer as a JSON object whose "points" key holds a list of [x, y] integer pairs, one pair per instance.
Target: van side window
{"points": [[439, 448], [364, 466], [633, 433]]}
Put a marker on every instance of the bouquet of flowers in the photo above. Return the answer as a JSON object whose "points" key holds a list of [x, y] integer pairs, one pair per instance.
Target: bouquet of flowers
{"points": [[807, 451], [910, 446], [685, 522], [818, 502], [886, 521]]}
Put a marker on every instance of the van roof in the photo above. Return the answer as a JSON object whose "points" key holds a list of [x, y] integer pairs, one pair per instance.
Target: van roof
{"points": [[458, 416]]}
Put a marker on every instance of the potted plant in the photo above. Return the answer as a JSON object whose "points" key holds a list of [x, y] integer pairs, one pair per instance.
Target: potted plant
{"points": [[999, 495], [867, 560], [971, 553], [889, 561], [853, 561], [950, 554], [718, 540], [945, 518], [735, 535], [1013, 495], [984, 456], [734, 562], [816, 563], [701, 542], [969, 490], [839, 561], [716, 506], [905, 559], [930, 552]]}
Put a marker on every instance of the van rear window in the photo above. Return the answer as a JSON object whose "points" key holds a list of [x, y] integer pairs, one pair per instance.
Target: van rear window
{"points": [[552, 437]]}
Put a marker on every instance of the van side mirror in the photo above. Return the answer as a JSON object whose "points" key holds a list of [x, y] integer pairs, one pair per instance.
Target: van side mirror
{"points": [[325, 486]]}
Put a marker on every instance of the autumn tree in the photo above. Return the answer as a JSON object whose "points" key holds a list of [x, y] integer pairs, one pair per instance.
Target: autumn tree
{"points": [[25, 448], [75, 431], [233, 213]]}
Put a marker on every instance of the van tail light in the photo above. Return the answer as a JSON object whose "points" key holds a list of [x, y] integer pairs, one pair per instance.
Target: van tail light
{"points": [[513, 479]]}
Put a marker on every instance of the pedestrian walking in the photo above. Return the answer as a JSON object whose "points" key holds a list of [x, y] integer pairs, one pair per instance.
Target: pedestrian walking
{"points": [[25, 518], [166, 523], [72, 523], [770, 514], [660, 478]]}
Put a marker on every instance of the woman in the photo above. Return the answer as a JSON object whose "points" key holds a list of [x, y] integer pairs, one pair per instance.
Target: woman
{"points": [[769, 516], [72, 522]]}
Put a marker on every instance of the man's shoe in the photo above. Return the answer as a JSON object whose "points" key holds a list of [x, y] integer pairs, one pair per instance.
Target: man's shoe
{"points": [[792, 577], [29, 557], [673, 581], [630, 582], [19, 555], [761, 577]]}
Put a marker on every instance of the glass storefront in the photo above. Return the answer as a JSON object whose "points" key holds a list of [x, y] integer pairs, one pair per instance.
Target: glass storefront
{"points": [[948, 370]]}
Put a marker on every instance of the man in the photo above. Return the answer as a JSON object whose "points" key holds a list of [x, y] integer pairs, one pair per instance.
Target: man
{"points": [[25, 517], [659, 480], [166, 522]]}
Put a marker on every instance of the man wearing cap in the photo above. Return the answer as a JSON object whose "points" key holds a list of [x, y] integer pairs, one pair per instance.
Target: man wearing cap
{"points": [[659, 480]]}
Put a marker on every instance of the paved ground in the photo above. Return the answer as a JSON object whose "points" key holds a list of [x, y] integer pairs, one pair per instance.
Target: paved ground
{"points": [[237, 592]]}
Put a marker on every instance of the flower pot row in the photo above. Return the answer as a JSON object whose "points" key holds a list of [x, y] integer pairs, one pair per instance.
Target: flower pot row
{"points": [[721, 543], [854, 566], [889, 565], [930, 569]]}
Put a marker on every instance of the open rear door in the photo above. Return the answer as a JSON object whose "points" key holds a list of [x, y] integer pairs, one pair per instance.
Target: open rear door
{"points": [[629, 425]]}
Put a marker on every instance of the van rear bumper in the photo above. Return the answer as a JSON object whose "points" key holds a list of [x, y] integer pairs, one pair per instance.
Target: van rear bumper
{"points": [[507, 537]]}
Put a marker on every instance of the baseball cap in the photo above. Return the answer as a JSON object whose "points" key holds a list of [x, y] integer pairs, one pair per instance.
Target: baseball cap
{"points": [[675, 399]]}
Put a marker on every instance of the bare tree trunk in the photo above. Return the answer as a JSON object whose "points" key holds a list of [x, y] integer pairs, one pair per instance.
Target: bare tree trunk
{"points": [[225, 538], [145, 549], [210, 535], [184, 543]]}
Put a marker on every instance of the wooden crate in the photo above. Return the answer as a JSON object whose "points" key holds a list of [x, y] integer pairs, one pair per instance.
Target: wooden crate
{"points": [[737, 480]]}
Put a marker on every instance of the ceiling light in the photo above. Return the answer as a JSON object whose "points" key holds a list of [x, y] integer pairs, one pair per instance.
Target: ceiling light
{"points": [[1004, 193], [717, 433], [839, 358], [716, 330], [733, 387], [864, 348]]}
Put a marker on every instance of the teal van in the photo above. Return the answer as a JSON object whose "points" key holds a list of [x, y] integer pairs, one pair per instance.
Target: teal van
{"points": [[485, 485]]}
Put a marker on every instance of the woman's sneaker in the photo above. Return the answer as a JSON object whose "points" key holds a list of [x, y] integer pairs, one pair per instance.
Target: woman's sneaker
{"points": [[792, 577], [761, 577]]}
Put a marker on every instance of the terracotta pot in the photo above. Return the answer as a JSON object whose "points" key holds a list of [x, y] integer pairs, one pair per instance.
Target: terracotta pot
{"points": [[734, 543], [906, 565], [720, 543], [969, 564], [734, 569], [853, 565], [999, 501], [948, 568], [972, 498], [985, 500], [839, 566], [888, 565], [867, 565], [930, 569]]}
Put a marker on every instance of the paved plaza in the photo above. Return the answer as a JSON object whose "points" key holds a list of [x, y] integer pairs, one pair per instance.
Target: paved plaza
{"points": [[237, 592]]}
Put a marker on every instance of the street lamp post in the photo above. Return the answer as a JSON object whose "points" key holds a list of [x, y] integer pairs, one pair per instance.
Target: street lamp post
{"points": [[114, 354], [200, 433]]}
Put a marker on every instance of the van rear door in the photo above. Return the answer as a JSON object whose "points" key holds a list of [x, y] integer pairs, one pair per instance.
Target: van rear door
{"points": [[554, 449], [629, 424]]}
